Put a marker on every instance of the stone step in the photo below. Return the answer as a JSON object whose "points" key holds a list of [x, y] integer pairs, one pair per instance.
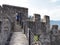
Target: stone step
{"points": [[18, 38]]}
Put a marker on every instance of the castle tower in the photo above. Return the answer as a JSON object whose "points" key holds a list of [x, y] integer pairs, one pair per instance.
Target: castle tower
{"points": [[55, 29], [37, 17], [37, 23], [54, 37], [43, 27], [47, 21], [12, 11]]}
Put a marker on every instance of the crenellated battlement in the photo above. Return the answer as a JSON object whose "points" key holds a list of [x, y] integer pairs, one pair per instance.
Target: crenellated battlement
{"points": [[37, 30]]}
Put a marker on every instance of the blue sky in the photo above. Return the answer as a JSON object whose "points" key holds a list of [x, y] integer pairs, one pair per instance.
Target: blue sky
{"points": [[42, 7]]}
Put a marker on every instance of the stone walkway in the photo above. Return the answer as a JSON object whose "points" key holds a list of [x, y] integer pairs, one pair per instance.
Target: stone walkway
{"points": [[18, 38]]}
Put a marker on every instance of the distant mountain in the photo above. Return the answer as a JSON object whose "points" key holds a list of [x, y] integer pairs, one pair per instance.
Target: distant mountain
{"points": [[52, 22]]}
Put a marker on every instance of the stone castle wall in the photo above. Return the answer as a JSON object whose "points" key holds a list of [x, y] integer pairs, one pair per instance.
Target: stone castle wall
{"points": [[9, 23]]}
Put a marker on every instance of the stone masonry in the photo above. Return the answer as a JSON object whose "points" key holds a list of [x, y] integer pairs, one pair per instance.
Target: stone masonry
{"points": [[16, 28], [42, 30], [10, 23]]}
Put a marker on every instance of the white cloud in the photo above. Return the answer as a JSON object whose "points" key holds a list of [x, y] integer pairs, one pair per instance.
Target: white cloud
{"points": [[42, 12], [53, 1], [54, 13], [23, 3]]}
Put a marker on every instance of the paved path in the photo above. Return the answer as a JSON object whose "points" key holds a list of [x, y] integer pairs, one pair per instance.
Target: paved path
{"points": [[18, 38]]}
